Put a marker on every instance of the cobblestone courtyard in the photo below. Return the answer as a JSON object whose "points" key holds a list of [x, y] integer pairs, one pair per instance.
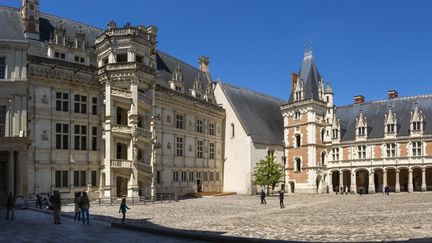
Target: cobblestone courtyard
{"points": [[376, 217]]}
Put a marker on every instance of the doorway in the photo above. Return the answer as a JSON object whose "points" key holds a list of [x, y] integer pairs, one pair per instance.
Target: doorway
{"points": [[121, 186], [3, 186], [199, 186]]}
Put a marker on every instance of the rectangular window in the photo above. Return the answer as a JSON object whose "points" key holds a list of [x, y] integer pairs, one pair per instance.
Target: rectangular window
{"points": [[416, 126], [361, 151], [82, 59], [2, 68], [62, 101], [199, 149], [94, 105], [217, 176], [361, 131], [57, 54], [297, 115], [335, 133], [391, 150], [77, 58], [179, 121], [94, 138], [211, 129], [179, 147], [63, 56], [212, 151], [191, 176], [62, 136], [61, 178], [175, 176], [205, 176], [416, 148], [390, 128], [80, 104], [199, 126], [198, 175], [80, 178], [122, 57], [80, 137], [94, 178], [184, 176], [139, 59], [335, 154], [2, 120], [211, 176], [158, 177]]}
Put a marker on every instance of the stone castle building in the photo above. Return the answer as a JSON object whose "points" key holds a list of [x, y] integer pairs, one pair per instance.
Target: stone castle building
{"points": [[105, 111], [362, 147]]}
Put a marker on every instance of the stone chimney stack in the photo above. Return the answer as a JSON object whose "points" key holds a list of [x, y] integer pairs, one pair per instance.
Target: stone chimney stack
{"points": [[30, 17], [294, 77], [392, 94], [359, 99], [203, 62]]}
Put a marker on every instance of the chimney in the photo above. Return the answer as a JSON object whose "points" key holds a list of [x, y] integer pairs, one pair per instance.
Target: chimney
{"points": [[203, 62], [294, 77], [359, 99], [392, 94]]}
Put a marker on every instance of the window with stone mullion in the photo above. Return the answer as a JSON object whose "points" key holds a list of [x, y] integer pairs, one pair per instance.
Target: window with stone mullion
{"points": [[2, 120]]}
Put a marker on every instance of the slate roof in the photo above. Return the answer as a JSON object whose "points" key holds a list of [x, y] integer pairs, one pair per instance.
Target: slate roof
{"points": [[310, 76], [12, 28], [167, 64], [10, 24], [259, 114], [375, 111]]}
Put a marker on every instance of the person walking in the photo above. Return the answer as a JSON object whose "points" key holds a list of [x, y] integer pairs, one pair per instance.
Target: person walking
{"points": [[346, 190], [56, 204], [263, 195], [77, 201], [85, 205], [123, 208], [10, 205], [38, 201], [336, 189], [341, 190], [281, 198]]}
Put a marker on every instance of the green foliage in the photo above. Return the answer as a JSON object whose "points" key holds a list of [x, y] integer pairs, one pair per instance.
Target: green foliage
{"points": [[268, 173]]}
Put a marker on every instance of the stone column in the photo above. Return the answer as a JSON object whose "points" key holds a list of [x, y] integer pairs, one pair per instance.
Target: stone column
{"points": [[384, 180], [18, 174], [353, 188], [340, 178], [371, 189], [109, 141], [11, 173], [410, 180], [423, 185], [330, 182], [397, 186]]}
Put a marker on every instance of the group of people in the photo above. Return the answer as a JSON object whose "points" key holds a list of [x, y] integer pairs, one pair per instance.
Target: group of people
{"points": [[82, 206], [281, 198]]}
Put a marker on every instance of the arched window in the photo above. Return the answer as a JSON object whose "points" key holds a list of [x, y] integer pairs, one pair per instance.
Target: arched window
{"points": [[297, 140], [323, 158], [297, 164], [232, 130]]}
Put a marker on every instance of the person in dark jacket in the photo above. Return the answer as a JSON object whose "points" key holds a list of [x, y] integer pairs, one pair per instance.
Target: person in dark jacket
{"points": [[123, 208], [38, 201], [263, 195], [85, 206], [10, 205], [77, 202], [56, 205], [281, 198]]}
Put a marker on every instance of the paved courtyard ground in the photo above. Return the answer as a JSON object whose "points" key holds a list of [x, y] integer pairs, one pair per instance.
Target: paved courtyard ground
{"points": [[376, 217], [31, 226]]}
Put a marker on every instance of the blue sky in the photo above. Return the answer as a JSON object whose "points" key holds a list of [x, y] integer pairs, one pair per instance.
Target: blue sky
{"points": [[361, 47]]}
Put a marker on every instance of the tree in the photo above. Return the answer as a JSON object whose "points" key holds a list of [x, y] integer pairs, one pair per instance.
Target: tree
{"points": [[268, 173]]}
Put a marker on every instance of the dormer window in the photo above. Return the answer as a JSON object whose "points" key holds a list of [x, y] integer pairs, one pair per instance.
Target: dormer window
{"points": [[335, 127], [335, 133], [390, 122], [298, 96], [361, 130], [416, 120], [297, 115]]}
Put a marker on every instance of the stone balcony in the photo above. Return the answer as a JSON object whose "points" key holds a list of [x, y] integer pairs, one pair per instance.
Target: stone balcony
{"points": [[121, 93], [121, 163], [144, 167], [121, 129], [144, 133]]}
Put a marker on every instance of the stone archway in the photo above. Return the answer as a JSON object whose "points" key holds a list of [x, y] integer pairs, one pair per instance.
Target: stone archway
{"points": [[391, 179], [429, 179], [403, 179], [346, 179], [362, 181], [291, 186], [335, 181], [417, 179], [378, 180]]}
